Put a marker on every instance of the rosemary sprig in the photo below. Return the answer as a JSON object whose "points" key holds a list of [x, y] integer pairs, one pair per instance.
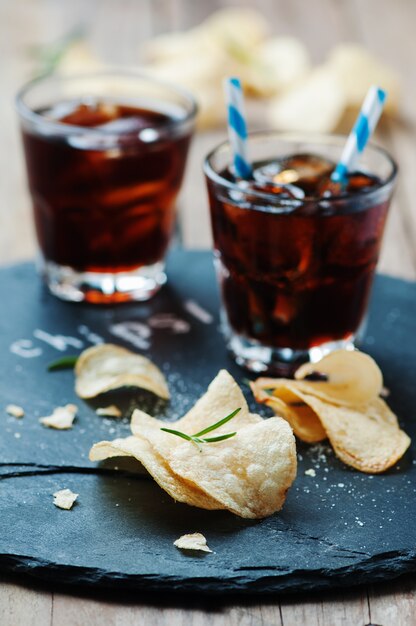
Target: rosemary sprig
{"points": [[198, 438], [65, 362]]}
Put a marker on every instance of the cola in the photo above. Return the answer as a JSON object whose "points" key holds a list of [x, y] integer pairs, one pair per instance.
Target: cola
{"points": [[296, 253], [104, 194]]}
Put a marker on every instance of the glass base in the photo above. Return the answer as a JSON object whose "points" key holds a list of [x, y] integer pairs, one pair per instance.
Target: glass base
{"points": [[100, 287], [279, 361]]}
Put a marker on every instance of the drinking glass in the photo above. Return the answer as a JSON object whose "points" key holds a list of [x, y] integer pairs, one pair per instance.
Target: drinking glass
{"points": [[105, 156], [295, 274]]}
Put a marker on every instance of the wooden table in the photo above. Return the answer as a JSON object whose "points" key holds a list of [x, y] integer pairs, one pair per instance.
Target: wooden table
{"points": [[387, 28]]}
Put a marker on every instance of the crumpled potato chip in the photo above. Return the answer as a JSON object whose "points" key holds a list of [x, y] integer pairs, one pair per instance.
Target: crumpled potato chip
{"points": [[140, 449], [79, 58], [346, 408], [195, 71], [275, 65], [352, 377], [231, 30], [222, 397], [193, 541], [248, 474], [367, 437], [315, 104], [357, 69], [173, 46], [242, 28], [106, 367], [286, 403]]}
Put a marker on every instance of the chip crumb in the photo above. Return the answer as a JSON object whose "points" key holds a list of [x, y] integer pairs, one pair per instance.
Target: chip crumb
{"points": [[64, 499], [109, 411], [193, 541], [15, 410], [310, 472], [62, 417]]}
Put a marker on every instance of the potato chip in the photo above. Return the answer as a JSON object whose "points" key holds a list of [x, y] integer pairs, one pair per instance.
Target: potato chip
{"points": [[275, 65], [222, 397], [248, 474], [365, 437], [287, 404], [79, 58], [193, 541], [315, 104], [352, 378], [64, 499], [202, 75], [357, 69], [140, 449], [62, 417], [174, 46], [241, 28], [194, 71], [106, 367]]}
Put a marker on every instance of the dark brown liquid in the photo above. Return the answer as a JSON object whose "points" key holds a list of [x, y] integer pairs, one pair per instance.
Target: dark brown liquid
{"points": [[300, 278], [105, 207]]}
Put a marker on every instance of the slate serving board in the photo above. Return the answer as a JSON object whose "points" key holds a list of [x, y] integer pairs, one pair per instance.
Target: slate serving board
{"points": [[338, 528]]}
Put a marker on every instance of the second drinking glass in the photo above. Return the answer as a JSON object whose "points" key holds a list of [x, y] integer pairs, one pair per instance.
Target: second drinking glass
{"points": [[295, 259]]}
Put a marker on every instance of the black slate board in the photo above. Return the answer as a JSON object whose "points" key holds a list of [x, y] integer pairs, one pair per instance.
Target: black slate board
{"points": [[336, 529]]}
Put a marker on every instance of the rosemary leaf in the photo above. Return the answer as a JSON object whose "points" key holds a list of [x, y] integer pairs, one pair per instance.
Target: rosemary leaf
{"points": [[65, 362], [178, 433], [217, 424], [219, 438]]}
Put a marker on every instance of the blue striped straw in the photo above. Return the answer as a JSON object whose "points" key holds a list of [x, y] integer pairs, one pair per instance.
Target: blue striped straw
{"points": [[237, 128], [363, 129]]}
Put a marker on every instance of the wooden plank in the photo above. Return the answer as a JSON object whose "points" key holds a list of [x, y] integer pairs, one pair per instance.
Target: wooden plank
{"points": [[16, 231], [23, 606], [69, 611], [399, 255], [349, 608], [394, 602], [403, 143], [193, 200]]}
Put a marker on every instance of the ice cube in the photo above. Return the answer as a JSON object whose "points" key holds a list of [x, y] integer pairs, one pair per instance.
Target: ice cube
{"points": [[125, 125], [298, 174], [304, 167], [91, 113], [272, 179]]}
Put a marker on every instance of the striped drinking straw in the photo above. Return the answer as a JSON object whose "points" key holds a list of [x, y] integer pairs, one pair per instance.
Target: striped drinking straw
{"points": [[360, 134], [237, 128]]}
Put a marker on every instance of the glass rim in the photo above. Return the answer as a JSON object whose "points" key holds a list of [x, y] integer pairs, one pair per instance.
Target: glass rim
{"points": [[328, 139], [31, 116]]}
